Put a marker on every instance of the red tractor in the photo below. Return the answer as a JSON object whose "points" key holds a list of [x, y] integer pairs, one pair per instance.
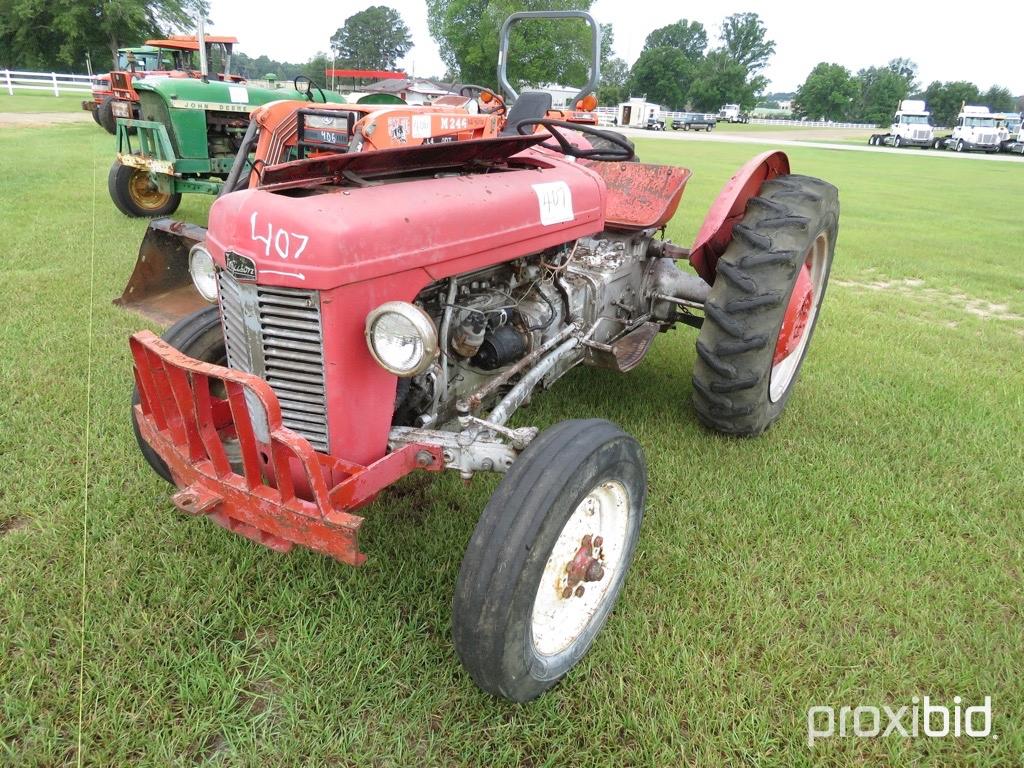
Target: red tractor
{"points": [[114, 94], [375, 314]]}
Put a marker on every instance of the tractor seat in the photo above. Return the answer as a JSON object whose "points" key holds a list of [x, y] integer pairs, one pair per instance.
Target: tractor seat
{"points": [[531, 105]]}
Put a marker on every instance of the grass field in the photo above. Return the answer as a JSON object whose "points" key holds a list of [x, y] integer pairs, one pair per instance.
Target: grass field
{"points": [[41, 101], [865, 551]]}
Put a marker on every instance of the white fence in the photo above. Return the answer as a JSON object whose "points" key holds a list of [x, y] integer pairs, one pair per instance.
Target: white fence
{"points": [[606, 116], [54, 82]]}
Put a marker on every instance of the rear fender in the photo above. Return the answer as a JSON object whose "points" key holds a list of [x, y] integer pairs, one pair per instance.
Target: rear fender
{"points": [[716, 232]]}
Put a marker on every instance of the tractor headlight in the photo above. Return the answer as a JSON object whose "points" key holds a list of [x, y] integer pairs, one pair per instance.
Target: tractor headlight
{"points": [[203, 271], [402, 338]]}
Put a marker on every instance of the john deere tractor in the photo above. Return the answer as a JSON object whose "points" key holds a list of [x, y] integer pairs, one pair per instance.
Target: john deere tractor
{"points": [[186, 139]]}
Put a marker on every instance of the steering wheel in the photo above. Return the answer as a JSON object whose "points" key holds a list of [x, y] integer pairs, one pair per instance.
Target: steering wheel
{"points": [[309, 88], [471, 91], [614, 148]]}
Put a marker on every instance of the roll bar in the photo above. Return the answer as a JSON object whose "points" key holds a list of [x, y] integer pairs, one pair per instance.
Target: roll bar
{"points": [[595, 60]]}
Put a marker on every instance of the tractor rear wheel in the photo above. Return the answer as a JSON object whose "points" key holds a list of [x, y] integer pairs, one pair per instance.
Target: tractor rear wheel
{"points": [[762, 309], [136, 195], [105, 115], [199, 336], [549, 557]]}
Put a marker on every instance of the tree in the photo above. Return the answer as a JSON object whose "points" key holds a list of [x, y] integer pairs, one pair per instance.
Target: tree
{"points": [[828, 93], [688, 36], [375, 38], [744, 38], [907, 70], [541, 51], [719, 80], [998, 99], [945, 99], [881, 89], [42, 34], [663, 75], [614, 75]]}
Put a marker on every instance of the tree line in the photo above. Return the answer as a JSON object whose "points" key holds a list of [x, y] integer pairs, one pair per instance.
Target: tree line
{"points": [[677, 68], [48, 35], [832, 92]]}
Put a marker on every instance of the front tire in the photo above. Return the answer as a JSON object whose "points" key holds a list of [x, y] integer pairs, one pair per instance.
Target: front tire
{"points": [[764, 304], [135, 195], [199, 336], [897, 142], [960, 145], [105, 115], [548, 558]]}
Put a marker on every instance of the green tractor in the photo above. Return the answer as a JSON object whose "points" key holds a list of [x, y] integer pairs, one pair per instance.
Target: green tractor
{"points": [[186, 139]]}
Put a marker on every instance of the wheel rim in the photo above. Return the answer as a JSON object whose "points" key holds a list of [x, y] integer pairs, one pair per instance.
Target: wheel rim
{"points": [[799, 318], [144, 193], [581, 569]]}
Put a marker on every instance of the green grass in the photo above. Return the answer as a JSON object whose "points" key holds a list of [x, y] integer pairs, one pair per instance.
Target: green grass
{"points": [[40, 101], [866, 550]]}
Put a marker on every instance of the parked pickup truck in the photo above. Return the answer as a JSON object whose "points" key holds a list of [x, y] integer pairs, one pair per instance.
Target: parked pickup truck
{"points": [[694, 122]]}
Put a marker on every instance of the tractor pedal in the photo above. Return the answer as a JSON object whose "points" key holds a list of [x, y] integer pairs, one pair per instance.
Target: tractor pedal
{"points": [[628, 351]]}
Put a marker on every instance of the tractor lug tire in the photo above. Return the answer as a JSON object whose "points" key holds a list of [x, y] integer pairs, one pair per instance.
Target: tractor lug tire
{"points": [[744, 311], [200, 336]]}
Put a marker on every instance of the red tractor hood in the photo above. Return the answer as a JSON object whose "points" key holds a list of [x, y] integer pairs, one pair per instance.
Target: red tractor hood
{"points": [[443, 226]]}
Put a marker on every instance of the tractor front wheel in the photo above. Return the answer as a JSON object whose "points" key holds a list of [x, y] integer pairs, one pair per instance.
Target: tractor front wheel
{"points": [[105, 115], [760, 314], [135, 194], [199, 336], [548, 557]]}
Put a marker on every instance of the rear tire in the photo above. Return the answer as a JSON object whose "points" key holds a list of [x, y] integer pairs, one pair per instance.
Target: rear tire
{"points": [[740, 386], [200, 336], [135, 195], [514, 629], [95, 112], [105, 115]]}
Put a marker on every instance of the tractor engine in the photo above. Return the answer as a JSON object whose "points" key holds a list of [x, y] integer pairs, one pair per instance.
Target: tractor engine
{"points": [[491, 319]]}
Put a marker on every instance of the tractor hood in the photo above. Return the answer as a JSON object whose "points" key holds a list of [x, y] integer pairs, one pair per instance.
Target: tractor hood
{"points": [[315, 239], [189, 93]]}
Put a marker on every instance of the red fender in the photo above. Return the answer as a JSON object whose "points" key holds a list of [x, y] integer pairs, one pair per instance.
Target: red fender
{"points": [[716, 231]]}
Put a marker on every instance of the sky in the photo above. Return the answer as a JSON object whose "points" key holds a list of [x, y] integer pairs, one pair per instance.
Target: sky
{"points": [[946, 46]]}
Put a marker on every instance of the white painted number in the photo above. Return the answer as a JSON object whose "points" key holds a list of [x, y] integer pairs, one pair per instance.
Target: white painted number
{"points": [[555, 200], [281, 240]]}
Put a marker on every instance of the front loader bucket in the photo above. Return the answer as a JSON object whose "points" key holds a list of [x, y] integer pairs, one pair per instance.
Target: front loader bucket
{"points": [[160, 287]]}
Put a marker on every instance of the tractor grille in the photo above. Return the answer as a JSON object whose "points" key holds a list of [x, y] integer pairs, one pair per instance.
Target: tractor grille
{"points": [[920, 135], [987, 138], [275, 333]]}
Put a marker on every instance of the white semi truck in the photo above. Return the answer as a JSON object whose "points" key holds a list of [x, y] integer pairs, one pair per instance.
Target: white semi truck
{"points": [[911, 127], [1015, 144], [733, 113], [975, 131], [1008, 125]]}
